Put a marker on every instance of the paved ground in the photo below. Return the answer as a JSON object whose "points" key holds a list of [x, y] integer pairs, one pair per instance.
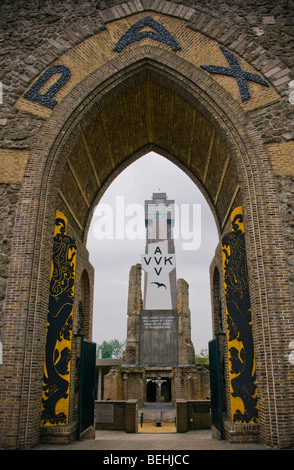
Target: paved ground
{"points": [[121, 441], [150, 427]]}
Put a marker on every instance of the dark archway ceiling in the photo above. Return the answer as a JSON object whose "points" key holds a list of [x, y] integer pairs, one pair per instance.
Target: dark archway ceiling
{"points": [[146, 112]]}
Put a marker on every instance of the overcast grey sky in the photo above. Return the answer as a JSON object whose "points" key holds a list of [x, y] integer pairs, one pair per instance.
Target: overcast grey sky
{"points": [[113, 258]]}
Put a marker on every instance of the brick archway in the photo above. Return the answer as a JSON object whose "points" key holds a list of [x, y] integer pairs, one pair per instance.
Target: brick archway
{"points": [[190, 117]]}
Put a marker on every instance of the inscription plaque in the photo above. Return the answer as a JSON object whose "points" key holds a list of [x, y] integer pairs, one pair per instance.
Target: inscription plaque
{"points": [[104, 412], [158, 337]]}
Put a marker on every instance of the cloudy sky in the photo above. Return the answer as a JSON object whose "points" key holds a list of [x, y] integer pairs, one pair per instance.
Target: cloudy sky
{"points": [[116, 242]]}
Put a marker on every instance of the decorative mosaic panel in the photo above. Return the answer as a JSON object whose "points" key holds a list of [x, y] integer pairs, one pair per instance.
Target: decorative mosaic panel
{"points": [[243, 387], [55, 398]]}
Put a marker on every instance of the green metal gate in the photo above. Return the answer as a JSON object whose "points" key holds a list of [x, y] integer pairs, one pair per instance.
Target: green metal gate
{"points": [[215, 385], [87, 386]]}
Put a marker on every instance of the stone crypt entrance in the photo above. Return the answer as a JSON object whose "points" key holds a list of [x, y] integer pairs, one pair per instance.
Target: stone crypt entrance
{"points": [[143, 76]]}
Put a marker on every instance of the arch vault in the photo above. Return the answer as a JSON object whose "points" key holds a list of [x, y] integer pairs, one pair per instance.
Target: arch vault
{"points": [[145, 81]]}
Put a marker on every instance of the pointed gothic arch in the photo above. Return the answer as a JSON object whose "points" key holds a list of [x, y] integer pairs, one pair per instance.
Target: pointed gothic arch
{"points": [[94, 127]]}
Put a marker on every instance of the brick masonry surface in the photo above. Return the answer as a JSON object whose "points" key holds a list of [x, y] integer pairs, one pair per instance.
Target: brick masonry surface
{"points": [[51, 160]]}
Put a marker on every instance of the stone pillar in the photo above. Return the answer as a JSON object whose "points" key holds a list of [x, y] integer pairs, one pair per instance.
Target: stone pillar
{"points": [[181, 408], [131, 353], [113, 386], [186, 353], [131, 416]]}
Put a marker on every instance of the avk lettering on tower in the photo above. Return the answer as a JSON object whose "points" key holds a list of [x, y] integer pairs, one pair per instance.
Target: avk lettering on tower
{"points": [[158, 264]]}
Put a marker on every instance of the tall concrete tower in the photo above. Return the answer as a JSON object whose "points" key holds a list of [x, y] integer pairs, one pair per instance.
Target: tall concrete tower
{"points": [[159, 261], [159, 319]]}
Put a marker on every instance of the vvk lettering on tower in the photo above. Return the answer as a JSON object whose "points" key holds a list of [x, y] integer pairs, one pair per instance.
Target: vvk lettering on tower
{"points": [[158, 264]]}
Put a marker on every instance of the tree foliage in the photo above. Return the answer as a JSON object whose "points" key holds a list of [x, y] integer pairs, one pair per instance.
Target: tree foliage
{"points": [[111, 349], [202, 357]]}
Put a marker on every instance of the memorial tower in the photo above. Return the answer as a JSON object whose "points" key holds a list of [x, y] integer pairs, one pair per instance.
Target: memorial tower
{"points": [[158, 343], [159, 359]]}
